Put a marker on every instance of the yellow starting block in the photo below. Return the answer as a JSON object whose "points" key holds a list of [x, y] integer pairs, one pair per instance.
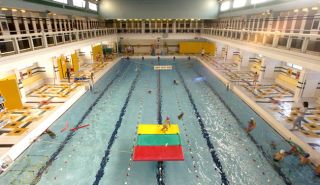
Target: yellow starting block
{"points": [[156, 129]]}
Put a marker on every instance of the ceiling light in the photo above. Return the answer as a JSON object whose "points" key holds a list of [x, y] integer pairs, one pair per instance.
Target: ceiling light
{"points": [[23, 11], [4, 9], [296, 10], [14, 10], [315, 8], [305, 10]]}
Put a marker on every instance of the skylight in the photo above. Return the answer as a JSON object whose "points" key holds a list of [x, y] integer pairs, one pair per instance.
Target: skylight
{"points": [[239, 3], [225, 6], [79, 3], [62, 1], [93, 6]]}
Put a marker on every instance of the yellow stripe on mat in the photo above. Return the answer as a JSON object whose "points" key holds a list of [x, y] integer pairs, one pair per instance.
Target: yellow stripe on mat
{"points": [[156, 129]]}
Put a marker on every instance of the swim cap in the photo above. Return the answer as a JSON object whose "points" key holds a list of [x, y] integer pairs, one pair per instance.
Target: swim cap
{"points": [[167, 117], [282, 151], [306, 155], [251, 118]]}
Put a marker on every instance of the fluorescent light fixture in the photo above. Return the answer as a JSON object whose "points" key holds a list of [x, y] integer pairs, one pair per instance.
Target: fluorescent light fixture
{"points": [[23, 11], [315, 8], [14, 10], [239, 3], [4, 9], [225, 5], [296, 10], [305, 10]]}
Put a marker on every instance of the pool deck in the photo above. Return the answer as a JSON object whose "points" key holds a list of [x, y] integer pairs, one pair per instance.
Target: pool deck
{"points": [[43, 106], [272, 102]]}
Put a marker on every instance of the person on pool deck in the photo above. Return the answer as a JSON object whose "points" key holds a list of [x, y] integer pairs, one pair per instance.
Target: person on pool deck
{"points": [[175, 82], [251, 125], [2, 100], [180, 116], [298, 122], [304, 159], [202, 52], [255, 79], [279, 156], [166, 124]]}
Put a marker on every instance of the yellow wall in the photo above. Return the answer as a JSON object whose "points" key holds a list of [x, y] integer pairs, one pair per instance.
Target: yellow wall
{"points": [[10, 91], [196, 47], [75, 62], [288, 79], [97, 53]]}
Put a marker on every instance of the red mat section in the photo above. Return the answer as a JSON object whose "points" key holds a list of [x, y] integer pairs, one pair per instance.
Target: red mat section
{"points": [[158, 153]]}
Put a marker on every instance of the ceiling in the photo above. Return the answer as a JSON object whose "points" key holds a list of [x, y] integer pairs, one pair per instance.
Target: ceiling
{"points": [[159, 9]]}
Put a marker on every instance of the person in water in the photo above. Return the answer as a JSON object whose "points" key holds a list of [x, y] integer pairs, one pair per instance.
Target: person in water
{"points": [[51, 134], [304, 159], [279, 156], [175, 82], [149, 91], [166, 124], [251, 125], [180, 116], [317, 170]]}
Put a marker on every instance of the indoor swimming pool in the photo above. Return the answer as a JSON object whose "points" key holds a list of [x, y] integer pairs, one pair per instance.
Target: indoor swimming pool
{"points": [[216, 148]]}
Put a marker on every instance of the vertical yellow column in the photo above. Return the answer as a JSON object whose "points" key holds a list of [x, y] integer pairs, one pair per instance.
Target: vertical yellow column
{"points": [[75, 62], [97, 53], [62, 66], [10, 91]]}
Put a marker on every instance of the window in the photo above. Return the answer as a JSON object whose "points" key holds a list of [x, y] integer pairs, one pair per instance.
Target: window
{"points": [[258, 1], [62, 1], [93, 6], [239, 3], [79, 3], [225, 6], [294, 66]]}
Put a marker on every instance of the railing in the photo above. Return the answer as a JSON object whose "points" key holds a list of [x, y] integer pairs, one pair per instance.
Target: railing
{"points": [[15, 44], [304, 41]]}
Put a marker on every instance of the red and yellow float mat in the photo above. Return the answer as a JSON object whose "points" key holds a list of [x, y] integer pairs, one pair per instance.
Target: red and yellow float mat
{"points": [[155, 145]]}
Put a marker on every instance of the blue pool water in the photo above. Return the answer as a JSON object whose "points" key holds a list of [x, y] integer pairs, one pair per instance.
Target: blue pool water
{"points": [[216, 149]]}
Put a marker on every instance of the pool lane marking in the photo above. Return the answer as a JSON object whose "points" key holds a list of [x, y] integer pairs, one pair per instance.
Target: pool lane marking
{"points": [[205, 133], [196, 172], [160, 165], [105, 159], [264, 153], [71, 133], [139, 116]]}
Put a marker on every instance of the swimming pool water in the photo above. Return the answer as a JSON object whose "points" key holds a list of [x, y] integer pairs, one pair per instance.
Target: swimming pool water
{"points": [[216, 149]]}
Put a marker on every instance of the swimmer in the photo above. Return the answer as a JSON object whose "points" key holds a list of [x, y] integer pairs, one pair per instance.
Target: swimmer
{"points": [[293, 150], [304, 159], [149, 91], [51, 134], [273, 145], [166, 125], [317, 170], [251, 125], [279, 156], [180, 116], [175, 82]]}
